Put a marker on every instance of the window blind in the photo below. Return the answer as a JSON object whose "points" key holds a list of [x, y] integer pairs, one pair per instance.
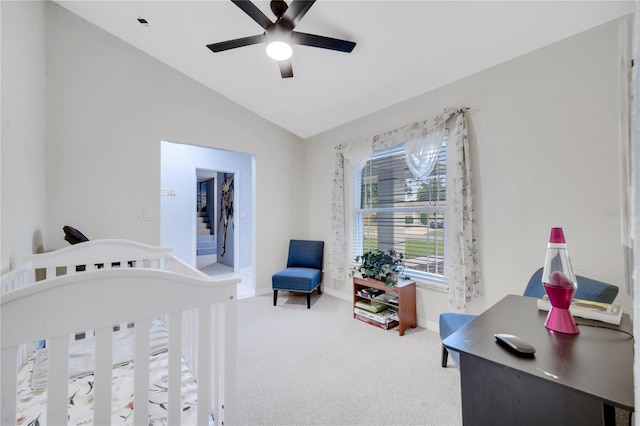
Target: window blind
{"points": [[395, 210]]}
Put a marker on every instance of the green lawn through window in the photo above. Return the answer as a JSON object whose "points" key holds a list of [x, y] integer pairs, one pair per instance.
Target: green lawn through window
{"points": [[413, 247]]}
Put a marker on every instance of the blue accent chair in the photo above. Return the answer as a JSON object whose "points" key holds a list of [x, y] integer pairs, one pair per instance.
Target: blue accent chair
{"points": [[588, 289], [303, 272]]}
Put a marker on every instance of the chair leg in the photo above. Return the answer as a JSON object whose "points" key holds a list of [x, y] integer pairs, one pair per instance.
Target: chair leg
{"points": [[445, 356], [275, 297], [319, 288], [308, 300]]}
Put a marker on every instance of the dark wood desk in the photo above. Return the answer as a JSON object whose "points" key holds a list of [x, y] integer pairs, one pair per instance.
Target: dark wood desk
{"points": [[571, 380]]}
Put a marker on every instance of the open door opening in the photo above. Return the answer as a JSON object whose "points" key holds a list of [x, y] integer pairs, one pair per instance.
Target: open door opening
{"points": [[205, 209], [207, 206], [215, 227]]}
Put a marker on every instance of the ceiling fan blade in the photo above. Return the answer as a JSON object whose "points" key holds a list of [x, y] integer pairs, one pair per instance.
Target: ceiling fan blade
{"points": [[286, 70], [253, 11], [297, 9], [322, 41], [238, 42]]}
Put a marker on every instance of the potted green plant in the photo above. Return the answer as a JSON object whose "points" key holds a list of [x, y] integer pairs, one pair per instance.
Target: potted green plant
{"points": [[385, 266]]}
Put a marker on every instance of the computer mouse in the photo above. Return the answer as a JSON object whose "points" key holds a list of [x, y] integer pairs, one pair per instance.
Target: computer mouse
{"points": [[514, 344]]}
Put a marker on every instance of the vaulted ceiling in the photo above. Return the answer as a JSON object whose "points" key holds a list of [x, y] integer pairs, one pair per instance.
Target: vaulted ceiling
{"points": [[404, 48]]}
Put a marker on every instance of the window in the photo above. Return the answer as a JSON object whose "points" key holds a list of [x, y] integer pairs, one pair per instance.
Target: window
{"points": [[395, 210]]}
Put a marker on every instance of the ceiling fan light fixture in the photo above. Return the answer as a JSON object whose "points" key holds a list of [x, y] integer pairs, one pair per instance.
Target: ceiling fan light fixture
{"points": [[279, 50], [279, 35], [278, 38]]}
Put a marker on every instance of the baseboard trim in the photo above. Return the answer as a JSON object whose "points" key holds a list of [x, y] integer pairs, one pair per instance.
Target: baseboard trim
{"points": [[337, 294]]}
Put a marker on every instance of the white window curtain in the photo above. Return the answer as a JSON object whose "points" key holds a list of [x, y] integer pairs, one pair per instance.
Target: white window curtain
{"points": [[422, 151], [357, 152], [627, 110], [464, 281]]}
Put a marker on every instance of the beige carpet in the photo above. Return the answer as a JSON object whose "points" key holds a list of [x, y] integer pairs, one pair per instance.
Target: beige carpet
{"points": [[322, 367]]}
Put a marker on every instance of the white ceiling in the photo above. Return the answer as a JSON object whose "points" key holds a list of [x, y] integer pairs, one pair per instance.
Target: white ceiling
{"points": [[404, 48]]}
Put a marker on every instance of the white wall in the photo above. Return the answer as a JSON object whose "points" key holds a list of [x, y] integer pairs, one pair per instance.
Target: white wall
{"points": [[544, 141], [178, 228], [23, 130], [109, 106], [635, 201]]}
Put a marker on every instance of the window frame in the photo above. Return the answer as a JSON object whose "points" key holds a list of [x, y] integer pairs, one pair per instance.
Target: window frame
{"points": [[436, 280]]}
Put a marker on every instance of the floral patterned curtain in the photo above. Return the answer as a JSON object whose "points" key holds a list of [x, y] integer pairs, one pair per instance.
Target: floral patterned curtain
{"points": [[464, 282], [338, 244], [464, 270]]}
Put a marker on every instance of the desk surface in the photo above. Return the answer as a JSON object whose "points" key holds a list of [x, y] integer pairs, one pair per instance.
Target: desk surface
{"points": [[597, 362]]}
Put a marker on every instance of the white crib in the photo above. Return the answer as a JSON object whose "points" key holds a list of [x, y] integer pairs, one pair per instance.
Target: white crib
{"points": [[97, 287]]}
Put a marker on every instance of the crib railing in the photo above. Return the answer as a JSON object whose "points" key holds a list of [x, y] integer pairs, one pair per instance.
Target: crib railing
{"points": [[94, 255], [90, 256], [214, 323], [16, 279]]}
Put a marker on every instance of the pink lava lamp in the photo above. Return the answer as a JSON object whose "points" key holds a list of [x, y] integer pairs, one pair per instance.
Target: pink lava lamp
{"points": [[560, 283]]}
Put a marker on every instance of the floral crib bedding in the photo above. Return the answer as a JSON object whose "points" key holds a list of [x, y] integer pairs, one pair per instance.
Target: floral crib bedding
{"points": [[32, 396]]}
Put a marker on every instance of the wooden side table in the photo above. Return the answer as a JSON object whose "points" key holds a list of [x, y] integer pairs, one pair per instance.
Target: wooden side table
{"points": [[406, 291]]}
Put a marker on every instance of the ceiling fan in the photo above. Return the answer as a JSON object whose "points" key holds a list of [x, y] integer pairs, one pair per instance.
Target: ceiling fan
{"points": [[279, 35]]}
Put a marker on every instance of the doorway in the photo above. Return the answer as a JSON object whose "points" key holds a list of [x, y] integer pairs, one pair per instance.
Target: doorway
{"points": [[205, 209], [182, 167], [215, 221]]}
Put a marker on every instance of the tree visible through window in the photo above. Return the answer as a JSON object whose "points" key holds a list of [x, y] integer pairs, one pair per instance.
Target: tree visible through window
{"points": [[395, 210]]}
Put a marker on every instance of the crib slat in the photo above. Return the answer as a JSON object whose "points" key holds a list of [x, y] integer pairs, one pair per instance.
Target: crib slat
{"points": [[175, 345], [8, 377], [141, 374], [58, 380], [189, 319], [51, 272], [228, 339], [217, 387], [31, 277], [103, 374], [203, 371]]}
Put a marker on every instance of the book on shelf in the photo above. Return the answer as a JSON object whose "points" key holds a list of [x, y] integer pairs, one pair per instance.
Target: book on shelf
{"points": [[369, 292], [389, 298], [385, 326], [371, 305], [363, 294], [383, 317], [587, 309]]}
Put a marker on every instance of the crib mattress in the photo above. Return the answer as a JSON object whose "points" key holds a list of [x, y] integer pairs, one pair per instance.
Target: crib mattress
{"points": [[32, 408]]}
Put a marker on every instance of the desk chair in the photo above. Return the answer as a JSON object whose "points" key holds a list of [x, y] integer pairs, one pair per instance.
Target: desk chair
{"points": [[588, 289], [303, 272]]}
